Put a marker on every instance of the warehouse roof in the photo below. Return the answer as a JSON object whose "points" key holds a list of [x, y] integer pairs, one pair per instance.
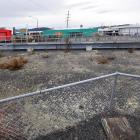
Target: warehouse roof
{"points": [[38, 29]]}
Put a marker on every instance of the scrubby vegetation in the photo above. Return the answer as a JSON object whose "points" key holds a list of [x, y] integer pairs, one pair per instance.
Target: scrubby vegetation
{"points": [[13, 63], [45, 55], [131, 50], [1, 54], [104, 59], [111, 58]]}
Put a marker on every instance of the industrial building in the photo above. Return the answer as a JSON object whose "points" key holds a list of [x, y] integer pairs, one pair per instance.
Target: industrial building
{"points": [[5, 35], [127, 29], [37, 31], [70, 32]]}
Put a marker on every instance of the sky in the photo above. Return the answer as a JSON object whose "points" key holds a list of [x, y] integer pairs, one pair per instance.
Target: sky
{"points": [[53, 13]]}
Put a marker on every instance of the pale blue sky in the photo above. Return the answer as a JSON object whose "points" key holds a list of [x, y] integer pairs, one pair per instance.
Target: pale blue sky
{"points": [[52, 13]]}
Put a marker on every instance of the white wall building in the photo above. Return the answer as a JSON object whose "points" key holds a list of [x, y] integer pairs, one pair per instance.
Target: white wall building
{"points": [[129, 29]]}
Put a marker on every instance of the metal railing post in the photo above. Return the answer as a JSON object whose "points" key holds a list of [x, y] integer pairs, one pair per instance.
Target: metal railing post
{"points": [[113, 92], [26, 38], [5, 41]]}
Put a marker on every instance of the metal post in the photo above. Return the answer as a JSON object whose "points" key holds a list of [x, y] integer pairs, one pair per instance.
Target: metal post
{"points": [[5, 41], [27, 35], [38, 38], [113, 92], [11, 39], [37, 23]]}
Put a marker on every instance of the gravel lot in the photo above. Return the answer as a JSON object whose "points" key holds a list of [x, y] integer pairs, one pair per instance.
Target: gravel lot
{"points": [[61, 68], [72, 113]]}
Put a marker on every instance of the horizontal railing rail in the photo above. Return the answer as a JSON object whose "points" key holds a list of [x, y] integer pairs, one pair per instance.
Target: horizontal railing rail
{"points": [[67, 85], [54, 88], [66, 40]]}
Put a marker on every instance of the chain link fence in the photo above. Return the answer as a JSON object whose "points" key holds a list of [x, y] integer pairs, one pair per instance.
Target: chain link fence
{"points": [[96, 38], [29, 116]]}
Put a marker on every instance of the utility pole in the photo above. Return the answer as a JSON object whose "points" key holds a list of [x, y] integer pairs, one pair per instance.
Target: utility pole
{"points": [[37, 22], [68, 19]]}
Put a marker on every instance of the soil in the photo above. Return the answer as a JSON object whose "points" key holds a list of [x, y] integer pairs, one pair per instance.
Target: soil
{"points": [[70, 113]]}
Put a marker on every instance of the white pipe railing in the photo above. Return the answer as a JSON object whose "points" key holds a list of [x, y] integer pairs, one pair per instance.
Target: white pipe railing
{"points": [[67, 85], [37, 39], [54, 88]]}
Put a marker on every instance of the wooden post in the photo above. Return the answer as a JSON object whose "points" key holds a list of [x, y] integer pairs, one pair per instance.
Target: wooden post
{"points": [[118, 129]]}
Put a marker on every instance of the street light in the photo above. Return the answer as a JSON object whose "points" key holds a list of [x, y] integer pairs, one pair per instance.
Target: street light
{"points": [[35, 19]]}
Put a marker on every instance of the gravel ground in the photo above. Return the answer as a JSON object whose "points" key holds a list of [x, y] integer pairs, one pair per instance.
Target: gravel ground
{"points": [[70, 113], [88, 130], [61, 68]]}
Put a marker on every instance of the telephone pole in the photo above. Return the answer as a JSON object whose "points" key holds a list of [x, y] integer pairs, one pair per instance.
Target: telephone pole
{"points": [[68, 19]]}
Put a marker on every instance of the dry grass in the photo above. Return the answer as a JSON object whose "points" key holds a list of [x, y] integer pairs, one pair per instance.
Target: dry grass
{"points": [[45, 55], [1, 55], [67, 50], [111, 58], [131, 50], [104, 60], [91, 58], [68, 46], [14, 63]]}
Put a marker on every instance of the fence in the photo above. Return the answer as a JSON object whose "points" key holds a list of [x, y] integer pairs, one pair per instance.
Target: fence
{"points": [[34, 114], [75, 39]]}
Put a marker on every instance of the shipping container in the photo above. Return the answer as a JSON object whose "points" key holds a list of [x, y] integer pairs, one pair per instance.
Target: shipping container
{"points": [[5, 35]]}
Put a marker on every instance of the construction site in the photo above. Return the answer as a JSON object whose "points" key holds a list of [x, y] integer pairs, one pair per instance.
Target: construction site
{"points": [[69, 95], [69, 70]]}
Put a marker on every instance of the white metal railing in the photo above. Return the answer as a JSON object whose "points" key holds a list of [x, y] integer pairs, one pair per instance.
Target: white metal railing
{"points": [[67, 40], [22, 117], [67, 85]]}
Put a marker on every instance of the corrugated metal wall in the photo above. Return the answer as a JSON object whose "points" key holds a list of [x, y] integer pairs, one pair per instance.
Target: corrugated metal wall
{"points": [[67, 32]]}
